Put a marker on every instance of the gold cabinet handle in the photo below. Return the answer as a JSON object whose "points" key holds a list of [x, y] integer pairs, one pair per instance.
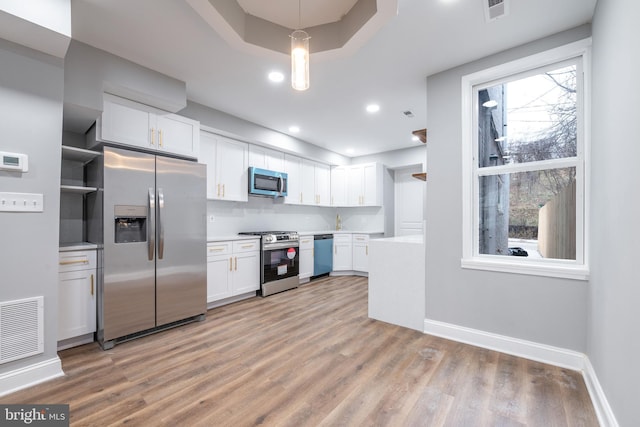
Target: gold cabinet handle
{"points": [[230, 264], [236, 259], [218, 190], [79, 261], [92, 285], [222, 190], [247, 246], [160, 137], [153, 136], [216, 249], [301, 197]]}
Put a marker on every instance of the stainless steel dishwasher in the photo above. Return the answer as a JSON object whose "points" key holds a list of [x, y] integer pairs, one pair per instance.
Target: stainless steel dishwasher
{"points": [[322, 254]]}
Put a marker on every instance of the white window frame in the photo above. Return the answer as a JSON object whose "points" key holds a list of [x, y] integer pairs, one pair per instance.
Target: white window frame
{"points": [[571, 269]]}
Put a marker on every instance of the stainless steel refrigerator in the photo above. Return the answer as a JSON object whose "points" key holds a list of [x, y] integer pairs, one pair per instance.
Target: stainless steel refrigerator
{"points": [[149, 217]]}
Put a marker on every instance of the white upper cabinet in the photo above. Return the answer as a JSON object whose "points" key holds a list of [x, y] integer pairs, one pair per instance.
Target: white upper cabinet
{"points": [[309, 182], [226, 160], [357, 185], [323, 184], [266, 158], [339, 186], [178, 135], [129, 123], [293, 168]]}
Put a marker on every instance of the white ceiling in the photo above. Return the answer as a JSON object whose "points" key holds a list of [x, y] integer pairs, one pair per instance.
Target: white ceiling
{"points": [[285, 12], [427, 36]]}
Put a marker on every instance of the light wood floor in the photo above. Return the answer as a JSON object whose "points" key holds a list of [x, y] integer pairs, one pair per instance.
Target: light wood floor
{"points": [[308, 357]]}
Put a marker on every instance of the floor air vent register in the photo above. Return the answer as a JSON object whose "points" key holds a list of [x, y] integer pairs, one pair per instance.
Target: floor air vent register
{"points": [[21, 328]]}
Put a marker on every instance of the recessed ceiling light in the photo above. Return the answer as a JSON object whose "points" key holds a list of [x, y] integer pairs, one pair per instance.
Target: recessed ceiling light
{"points": [[276, 76], [294, 129], [373, 108], [350, 151]]}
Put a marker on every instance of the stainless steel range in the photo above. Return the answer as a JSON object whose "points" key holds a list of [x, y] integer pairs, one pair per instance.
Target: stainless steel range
{"points": [[279, 258]]}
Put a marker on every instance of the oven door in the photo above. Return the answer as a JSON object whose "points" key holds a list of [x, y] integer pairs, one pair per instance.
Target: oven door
{"points": [[280, 261]]}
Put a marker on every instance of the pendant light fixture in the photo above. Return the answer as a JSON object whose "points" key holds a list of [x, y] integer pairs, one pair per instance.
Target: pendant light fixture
{"points": [[299, 57]]}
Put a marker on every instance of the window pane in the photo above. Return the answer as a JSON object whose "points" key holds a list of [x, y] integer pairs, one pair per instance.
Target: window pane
{"points": [[530, 214], [530, 119]]}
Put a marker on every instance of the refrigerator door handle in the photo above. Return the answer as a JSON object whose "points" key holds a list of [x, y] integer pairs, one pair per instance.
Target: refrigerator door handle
{"points": [[151, 247], [160, 224]]}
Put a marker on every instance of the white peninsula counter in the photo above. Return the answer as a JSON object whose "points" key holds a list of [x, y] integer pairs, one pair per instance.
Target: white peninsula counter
{"points": [[397, 281]]}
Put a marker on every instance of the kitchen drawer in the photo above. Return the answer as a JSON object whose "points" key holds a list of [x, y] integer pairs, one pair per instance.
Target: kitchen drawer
{"points": [[76, 261], [246, 246], [342, 238], [360, 238], [306, 242], [219, 248]]}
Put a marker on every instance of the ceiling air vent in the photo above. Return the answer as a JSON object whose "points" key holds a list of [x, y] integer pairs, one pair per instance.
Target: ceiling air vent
{"points": [[494, 9]]}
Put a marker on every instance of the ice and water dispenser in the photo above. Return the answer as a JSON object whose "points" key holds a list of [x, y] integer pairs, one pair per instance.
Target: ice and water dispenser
{"points": [[130, 223]]}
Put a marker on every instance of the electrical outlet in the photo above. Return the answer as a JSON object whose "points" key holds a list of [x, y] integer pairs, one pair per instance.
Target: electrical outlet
{"points": [[212, 218], [21, 202]]}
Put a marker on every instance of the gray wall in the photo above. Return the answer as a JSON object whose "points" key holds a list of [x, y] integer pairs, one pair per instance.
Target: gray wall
{"points": [[614, 324], [31, 90], [544, 310]]}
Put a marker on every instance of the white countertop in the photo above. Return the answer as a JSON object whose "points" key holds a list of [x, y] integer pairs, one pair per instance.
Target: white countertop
{"points": [[307, 233], [80, 246], [414, 239], [232, 237]]}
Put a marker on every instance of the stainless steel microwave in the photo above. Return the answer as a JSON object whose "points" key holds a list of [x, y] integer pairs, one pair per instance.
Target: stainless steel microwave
{"points": [[263, 182]]}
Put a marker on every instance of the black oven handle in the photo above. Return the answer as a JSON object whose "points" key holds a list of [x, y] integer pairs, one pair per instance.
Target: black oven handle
{"points": [[280, 245]]}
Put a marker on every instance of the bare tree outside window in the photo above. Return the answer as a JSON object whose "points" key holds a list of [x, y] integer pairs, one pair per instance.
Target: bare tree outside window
{"points": [[528, 121]]}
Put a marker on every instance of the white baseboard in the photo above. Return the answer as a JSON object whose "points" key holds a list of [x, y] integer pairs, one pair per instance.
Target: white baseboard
{"points": [[600, 402], [30, 375], [534, 351]]}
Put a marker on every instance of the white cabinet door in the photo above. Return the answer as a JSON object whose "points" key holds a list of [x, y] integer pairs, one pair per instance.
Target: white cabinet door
{"points": [[178, 135], [372, 184], [129, 123], [219, 270], [323, 184], [207, 156], [306, 257], [339, 186], [231, 170], [308, 182], [361, 252], [246, 272], [76, 303], [125, 124], [293, 168], [342, 252], [354, 192], [266, 158]]}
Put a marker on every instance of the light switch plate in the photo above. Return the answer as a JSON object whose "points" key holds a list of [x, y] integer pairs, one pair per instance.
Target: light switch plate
{"points": [[21, 202]]}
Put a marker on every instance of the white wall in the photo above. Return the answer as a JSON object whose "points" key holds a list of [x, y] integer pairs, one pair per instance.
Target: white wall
{"points": [[614, 323], [31, 90], [543, 310]]}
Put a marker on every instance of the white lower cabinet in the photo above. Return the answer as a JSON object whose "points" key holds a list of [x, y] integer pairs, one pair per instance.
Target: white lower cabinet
{"points": [[361, 252], [233, 268], [76, 294], [306, 257], [342, 252]]}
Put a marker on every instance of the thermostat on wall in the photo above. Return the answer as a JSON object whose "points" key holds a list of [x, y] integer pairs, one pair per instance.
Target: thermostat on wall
{"points": [[14, 162]]}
